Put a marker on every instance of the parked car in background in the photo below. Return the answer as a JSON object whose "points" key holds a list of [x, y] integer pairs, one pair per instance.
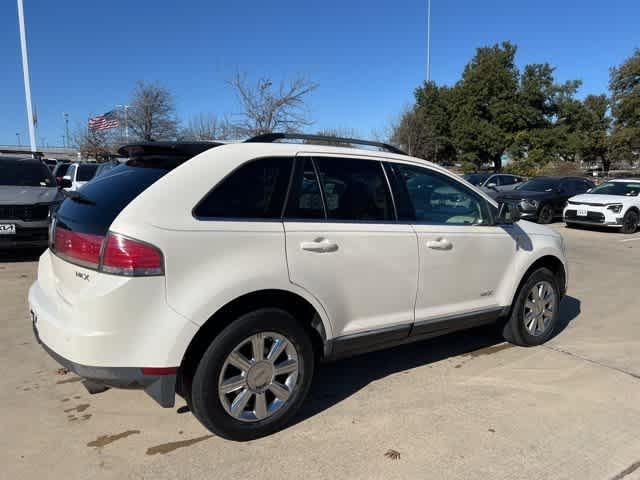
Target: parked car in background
{"points": [[543, 199], [27, 192], [615, 204], [50, 162], [494, 182], [78, 174], [225, 277], [60, 171]]}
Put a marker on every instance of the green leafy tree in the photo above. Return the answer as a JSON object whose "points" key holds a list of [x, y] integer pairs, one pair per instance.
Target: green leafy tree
{"points": [[485, 105], [624, 84]]}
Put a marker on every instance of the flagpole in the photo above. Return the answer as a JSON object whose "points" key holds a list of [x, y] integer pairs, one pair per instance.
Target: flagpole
{"points": [[25, 74]]}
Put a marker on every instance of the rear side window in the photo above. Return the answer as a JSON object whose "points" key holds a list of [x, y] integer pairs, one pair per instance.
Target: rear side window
{"points": [[507, 180], [256, 190], [305, 199], [354, 190]]}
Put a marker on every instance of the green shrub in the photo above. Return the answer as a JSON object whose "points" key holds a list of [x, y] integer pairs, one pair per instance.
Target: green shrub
{"points": [[468, 167]]}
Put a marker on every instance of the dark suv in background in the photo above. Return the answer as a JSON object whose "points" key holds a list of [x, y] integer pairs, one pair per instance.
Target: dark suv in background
{"points": [[27, 191], [543, 198]]}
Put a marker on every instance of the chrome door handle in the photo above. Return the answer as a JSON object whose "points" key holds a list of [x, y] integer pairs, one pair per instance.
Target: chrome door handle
{"points": [[440, 244], [319, 246]]}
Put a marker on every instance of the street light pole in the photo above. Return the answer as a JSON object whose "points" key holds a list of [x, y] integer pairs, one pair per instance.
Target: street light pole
{"points": [[66, 128], [428, 40], [25, 74]]}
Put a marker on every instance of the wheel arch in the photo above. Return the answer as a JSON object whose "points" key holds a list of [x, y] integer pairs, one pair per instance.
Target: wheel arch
{"points": [[302, 309], [550, 262]]}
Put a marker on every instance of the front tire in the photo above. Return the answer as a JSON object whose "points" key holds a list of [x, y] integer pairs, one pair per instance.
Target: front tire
{"points": [[535, 312], [254, 376], [545, 215], [630, 222]]}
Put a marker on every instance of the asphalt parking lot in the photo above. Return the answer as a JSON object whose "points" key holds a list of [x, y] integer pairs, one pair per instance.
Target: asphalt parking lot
{"points": [[463, 406]]}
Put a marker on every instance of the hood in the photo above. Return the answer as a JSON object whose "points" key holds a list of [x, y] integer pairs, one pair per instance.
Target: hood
{"points": [[522, 194], [18, 195], [595, 199]]}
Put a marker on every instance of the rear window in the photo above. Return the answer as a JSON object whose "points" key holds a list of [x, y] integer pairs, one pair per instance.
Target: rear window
{"points": [[86, 172], [25, 174], [108, 196]]}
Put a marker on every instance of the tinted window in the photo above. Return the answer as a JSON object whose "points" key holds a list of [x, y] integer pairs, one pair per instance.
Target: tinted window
{"points": [[439, 200], [25, 174], [580, 186], [255, 190], [305, 200], [86, 172], [354, 190], [109, 194], [61, 170], [538, 185], [507, 180], [631, 189]]}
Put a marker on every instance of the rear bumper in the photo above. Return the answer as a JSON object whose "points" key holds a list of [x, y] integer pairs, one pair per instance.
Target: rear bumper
{"points": [[161, 388]]}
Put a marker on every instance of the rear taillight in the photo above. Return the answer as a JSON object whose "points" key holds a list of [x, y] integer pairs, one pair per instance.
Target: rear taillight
{"points": [[80, 248], [124, 256], [114, 254]]}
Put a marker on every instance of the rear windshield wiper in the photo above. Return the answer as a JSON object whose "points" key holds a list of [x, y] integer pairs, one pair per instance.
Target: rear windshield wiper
{"points": [[77, 197]]}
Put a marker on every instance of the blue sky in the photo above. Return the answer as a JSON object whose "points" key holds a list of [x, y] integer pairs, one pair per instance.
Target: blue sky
{"points": [[368, 57]]}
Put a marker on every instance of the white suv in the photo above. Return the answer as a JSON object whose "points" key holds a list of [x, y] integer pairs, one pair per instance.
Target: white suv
{"points": [[613, 204], [228, 277]]}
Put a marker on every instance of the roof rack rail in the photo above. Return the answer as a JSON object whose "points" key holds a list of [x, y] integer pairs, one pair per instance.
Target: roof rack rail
{"points": [[272, 137]]}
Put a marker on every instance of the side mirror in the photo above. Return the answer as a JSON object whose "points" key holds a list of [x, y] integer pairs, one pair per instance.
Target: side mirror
{"points": [[65, 182], [508, 213], [491, 185], [588, 190]]}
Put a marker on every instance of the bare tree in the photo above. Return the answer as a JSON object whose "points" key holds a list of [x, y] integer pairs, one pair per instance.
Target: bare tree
{"points": [[266, 108], [92, 143], [152, 116], [411, 134], [207, 126]]}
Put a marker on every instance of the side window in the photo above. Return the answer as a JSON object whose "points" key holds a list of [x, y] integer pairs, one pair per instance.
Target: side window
{"points": [[507, 180], [305, 199], [440, 200], [354, 189], [256, 190], [495, 179], [581, 186]]}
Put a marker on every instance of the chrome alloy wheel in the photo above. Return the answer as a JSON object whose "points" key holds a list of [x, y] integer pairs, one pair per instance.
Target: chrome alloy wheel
{"points": [[258, 377], [539, 308]]}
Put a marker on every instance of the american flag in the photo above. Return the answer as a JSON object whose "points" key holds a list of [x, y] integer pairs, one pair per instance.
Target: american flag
{"points": [[105, 121]]}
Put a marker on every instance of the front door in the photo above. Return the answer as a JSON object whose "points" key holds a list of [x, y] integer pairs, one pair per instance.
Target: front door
{"points": [[345, 248], [464, 258]]}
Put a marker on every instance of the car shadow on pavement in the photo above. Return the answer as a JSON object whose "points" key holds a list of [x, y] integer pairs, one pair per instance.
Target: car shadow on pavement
{"points": [[21, 254], [339, 380]]}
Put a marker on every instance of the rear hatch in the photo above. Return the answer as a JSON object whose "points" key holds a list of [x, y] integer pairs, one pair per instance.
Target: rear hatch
{"points": [[80, 239]]}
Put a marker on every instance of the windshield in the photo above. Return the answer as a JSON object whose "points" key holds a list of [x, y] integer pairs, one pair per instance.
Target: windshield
{"points": [[630, 189], [538, 185], [26, 174], [86, 172], [476, 178]]}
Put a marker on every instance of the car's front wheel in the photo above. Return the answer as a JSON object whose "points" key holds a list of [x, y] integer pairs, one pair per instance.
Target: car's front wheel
{"points": [[545, 215], [254, 376], [630, 222], [535, 312]]}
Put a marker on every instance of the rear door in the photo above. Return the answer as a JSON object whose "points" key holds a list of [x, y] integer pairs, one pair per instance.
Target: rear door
{"points": [[345, 247], [465, 260]]}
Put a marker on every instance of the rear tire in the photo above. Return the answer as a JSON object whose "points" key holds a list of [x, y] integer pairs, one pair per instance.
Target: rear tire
{"points": [[630, 222], [534, 317], [233, 397], [545, 215]]}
